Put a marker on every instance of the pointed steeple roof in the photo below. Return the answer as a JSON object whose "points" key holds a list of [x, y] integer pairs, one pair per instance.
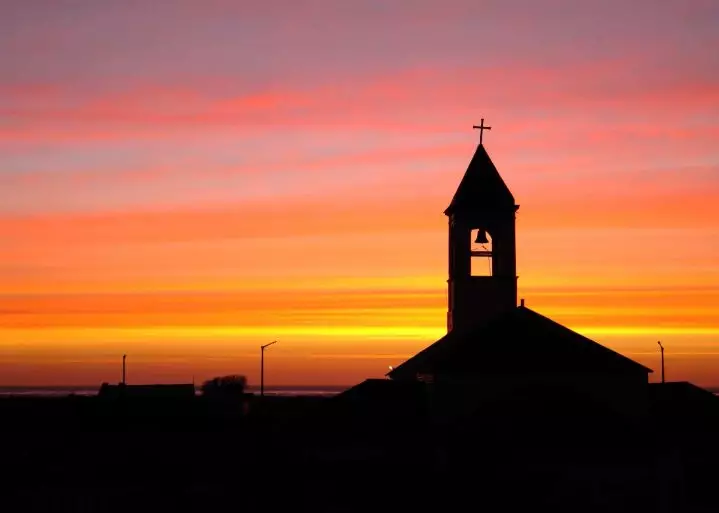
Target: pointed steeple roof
{"points": [[481, 188]]}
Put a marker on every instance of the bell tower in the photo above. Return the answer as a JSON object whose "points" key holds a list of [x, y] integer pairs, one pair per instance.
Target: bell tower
{"points": [[482, 247]]}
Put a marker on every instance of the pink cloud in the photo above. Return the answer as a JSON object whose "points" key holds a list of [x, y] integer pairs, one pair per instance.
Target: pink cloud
{"points": [[352, 101]]}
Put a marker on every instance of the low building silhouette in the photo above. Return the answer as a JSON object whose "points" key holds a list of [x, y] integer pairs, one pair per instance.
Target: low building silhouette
{"points": [[160, 392]]}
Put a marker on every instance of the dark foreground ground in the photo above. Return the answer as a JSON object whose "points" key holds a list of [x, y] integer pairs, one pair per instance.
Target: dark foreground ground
{"points": [[81, 454], [86, 455]]}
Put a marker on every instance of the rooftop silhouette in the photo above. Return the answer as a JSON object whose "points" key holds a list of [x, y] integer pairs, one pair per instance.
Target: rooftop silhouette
{"points": [[482, 187]]}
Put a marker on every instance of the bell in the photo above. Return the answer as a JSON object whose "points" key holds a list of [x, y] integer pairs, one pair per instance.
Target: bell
{"points": [[481, 237]]}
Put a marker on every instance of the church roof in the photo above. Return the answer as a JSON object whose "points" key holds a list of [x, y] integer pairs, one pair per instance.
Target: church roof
{"points": [[518, 341], [481, 188]]}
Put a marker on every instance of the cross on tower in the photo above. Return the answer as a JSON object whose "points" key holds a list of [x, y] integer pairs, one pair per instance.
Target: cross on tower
{"points": [[481, 129]]}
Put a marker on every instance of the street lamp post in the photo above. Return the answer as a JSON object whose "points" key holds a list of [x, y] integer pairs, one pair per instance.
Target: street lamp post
{"points": [[661, 348], [262, 367]]}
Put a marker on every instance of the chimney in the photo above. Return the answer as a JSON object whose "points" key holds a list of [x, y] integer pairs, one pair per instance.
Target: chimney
{"points": [[521, 302]]}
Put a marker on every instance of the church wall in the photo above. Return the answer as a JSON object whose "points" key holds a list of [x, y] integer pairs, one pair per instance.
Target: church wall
{"points": [[479, 298], [457, 396]]}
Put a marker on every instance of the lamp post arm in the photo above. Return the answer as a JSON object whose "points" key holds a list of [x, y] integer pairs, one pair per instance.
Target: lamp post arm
{"points": [[262, 366]]}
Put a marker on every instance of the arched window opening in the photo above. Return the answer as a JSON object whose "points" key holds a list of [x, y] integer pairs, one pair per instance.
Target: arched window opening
{"points": [[481, 252]]}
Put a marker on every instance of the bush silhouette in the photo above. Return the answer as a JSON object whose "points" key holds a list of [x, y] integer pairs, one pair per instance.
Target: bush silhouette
{"points": [[231, 386]]}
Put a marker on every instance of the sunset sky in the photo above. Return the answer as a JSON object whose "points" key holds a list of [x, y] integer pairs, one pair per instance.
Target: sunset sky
{"points": [[183, 181]]}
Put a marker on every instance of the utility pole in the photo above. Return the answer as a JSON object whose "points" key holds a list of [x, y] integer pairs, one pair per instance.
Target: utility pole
{"points": [[661, 348], [124, 357], [262, 367]]}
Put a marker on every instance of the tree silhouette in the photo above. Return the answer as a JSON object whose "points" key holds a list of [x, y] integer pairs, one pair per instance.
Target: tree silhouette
{"points": [[225, 387]]}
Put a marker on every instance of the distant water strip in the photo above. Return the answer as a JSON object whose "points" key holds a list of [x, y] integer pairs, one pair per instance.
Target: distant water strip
{"points": [[90, 391]]}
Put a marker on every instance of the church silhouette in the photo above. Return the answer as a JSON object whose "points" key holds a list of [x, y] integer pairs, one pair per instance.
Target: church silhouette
{"points": [[510, 410], [495, 347]]}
